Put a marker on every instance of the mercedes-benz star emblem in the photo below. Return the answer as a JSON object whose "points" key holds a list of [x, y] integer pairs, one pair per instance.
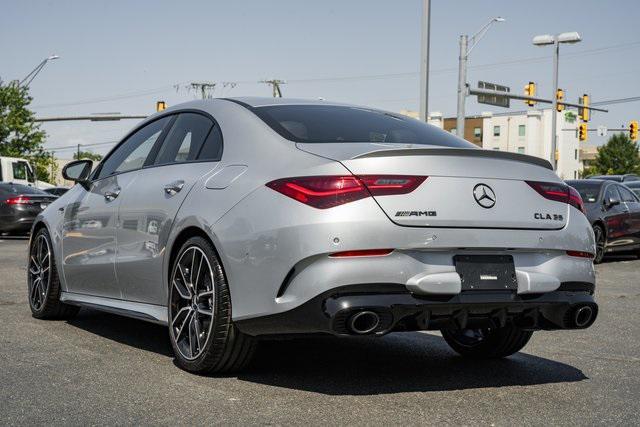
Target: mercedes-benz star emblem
{"points": [[484, 196]]}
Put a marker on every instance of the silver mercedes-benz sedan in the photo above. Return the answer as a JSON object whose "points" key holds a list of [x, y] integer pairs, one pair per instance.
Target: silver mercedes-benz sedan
{"points": [[233, 219]]}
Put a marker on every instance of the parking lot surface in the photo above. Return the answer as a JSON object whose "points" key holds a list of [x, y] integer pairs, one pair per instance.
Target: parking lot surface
{"points": [[104, 369]]}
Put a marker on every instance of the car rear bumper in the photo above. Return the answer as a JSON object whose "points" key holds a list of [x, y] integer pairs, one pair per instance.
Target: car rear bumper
{"points": [[397, 309], [15, 224]]}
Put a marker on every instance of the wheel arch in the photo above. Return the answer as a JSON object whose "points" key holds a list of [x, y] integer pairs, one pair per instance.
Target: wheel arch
{"points": [[600, 222]]}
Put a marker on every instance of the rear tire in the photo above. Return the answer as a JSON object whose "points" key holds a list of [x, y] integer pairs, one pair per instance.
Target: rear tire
{"points": [[202, 334], [43, 282], [487, 343], [601, 243]]}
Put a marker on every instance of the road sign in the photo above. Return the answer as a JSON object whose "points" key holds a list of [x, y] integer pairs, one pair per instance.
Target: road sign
{"points": [[602, 130], [497, 100]]}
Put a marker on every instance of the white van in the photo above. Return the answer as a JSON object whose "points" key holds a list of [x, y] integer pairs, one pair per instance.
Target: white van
{"points": [[18, 170]]}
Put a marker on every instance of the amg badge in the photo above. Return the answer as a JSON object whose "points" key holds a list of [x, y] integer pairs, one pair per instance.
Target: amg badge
{"points": [[416, 213]]}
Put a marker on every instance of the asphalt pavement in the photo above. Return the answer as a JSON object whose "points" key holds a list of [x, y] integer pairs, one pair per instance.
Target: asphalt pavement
{"points": [[104, 369]]}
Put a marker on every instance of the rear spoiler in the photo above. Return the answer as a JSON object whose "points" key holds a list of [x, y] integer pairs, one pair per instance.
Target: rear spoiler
{"points": [[464, 152]]}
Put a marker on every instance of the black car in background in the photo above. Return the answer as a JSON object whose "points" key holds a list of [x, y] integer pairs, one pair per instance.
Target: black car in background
{"points": [[56, 191], [614, 212], [19, 206], [629, 177]]}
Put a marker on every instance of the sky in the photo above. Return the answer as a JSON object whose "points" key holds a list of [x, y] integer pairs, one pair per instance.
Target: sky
{"points": [[123, 56]]}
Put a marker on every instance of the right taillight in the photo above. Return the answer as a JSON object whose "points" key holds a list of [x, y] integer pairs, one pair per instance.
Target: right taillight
{"points": [[325, 192], [558, 192]]}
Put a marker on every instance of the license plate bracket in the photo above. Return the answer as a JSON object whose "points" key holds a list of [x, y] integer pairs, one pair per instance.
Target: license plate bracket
{"points": [[486, 272]]}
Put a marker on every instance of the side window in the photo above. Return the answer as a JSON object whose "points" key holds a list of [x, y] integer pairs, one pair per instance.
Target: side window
{"points": [[611, 193], [212, 148], [627, 196], [132, 154], [185, 139], [19, 170]]}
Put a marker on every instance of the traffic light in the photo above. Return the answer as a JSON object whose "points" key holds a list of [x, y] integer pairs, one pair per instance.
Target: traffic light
{"points": [[530, 90], [633, 130], [559, 99], [585, 113], [582, 132], [161, 105]]}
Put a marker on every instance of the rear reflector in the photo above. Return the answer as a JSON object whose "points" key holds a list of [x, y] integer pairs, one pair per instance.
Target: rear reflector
{"points": [[325, 192], [20, 200], [361, 253], [580, 254], [558, 192]]}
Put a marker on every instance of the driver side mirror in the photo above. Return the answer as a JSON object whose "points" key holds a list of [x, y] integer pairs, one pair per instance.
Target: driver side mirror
{"points": [[78, 171], [611, 202]]}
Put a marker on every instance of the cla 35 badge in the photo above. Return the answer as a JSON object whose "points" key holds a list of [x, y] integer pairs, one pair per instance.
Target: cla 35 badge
{"points": [[484, 196]]}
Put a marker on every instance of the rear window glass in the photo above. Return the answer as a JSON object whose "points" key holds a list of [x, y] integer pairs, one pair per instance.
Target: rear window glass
{"points": [[10, 189], [588, 191], [325, 123]]}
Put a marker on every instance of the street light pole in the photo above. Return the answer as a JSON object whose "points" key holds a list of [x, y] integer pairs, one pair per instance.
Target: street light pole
{"points": [[32, 75], [546, 40], [424, 60], [466, 46], [462, 85]]}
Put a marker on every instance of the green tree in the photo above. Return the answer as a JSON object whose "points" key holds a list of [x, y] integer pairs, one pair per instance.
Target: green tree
{"points": [[20, 135], [87, 155], [618, 156]]}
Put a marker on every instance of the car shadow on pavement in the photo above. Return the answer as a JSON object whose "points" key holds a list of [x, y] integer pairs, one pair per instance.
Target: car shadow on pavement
{"points": [[397, 363], [134, 333]]}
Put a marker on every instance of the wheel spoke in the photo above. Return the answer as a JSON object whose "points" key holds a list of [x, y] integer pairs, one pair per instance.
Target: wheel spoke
{"points": [[205, 311], [196, 327], [45, 258], [191, 336], [193, 259], [205, 294], [184, 322], [198, 274], [181, 292], [184, 279], [34, 287]]}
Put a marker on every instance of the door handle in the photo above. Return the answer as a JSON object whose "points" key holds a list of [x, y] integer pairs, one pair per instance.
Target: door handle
{"points": [[174, 187], [111, 195]]}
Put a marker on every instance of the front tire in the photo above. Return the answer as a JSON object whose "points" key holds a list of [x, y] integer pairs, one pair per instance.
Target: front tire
{"points": [[491, 343], [202, 334], [43, 282], [599, 235]]}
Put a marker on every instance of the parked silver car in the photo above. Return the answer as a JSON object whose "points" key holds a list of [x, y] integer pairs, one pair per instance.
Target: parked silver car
{"points": [[231, 219]]}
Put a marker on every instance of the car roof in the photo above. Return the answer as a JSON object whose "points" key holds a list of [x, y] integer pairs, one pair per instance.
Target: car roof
{"points": [[586, 181], [256, 101]]}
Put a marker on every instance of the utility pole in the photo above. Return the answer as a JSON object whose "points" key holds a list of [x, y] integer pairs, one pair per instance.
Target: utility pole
{"points": [[275, 86], [205, 88], [53, 178], [424, 60], [78, 155]]}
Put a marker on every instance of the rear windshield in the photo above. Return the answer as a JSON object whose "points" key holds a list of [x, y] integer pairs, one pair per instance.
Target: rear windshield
{"points": [[10, 189], [616, 178], [327, 123], [589, 191]]}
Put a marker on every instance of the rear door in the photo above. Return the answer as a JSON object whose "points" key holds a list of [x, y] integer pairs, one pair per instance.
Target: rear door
{"points": [[191, 149], [633, 214]]}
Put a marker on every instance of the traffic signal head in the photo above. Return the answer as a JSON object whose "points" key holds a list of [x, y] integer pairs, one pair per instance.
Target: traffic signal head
{"points": [[161, 105], [530, 90], [559, 99], [582, 131], [585, 113], [633, 130]]}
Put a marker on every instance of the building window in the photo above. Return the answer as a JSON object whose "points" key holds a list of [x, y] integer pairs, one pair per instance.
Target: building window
{"points": [[521, 150], [521, 130], [477, 133], [575, 154], [496, 131]]}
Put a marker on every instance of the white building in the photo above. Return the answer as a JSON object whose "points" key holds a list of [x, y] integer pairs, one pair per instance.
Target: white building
{"points": [[530, 133]]}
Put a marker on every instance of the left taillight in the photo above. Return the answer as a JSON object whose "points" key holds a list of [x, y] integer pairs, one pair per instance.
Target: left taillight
{"points": [[325, 192], [20, 200], [558, 192]]}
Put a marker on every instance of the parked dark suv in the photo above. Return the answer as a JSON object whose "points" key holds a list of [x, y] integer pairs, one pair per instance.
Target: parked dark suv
{"points": [[614, 212]]}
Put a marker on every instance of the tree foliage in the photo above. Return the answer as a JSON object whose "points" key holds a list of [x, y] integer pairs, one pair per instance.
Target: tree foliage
{"points": [[20, 135], [618, 156], [87, 155]]}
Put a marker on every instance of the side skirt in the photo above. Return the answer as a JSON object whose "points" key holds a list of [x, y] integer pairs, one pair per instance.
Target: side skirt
{"points": [[137, 310]]}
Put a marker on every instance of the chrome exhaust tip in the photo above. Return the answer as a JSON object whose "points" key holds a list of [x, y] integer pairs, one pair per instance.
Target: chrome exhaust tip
{"points": [[364, 322]]}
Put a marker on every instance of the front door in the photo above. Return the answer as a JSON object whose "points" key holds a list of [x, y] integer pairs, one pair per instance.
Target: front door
{"points": [[149, 206], [616, 218], [91, 220]]}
